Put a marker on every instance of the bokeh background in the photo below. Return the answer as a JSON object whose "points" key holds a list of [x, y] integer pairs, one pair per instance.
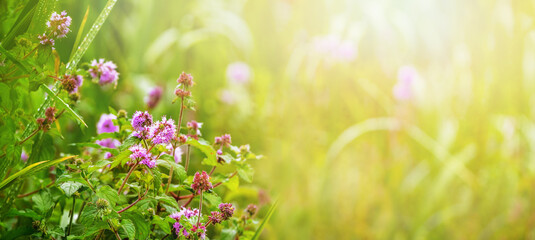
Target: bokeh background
{"points": [[381, 119]]}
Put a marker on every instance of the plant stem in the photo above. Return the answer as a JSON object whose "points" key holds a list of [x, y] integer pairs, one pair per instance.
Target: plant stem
{"points": [[186, 196], [31, 135], [36, 191], [126, 179], [200, 209], [212, 171], [187, 203], [169, 180], [114, 231], [72, 215], [134, 203], [180, 116], [231, 176], [187, 159], [88, 183]]}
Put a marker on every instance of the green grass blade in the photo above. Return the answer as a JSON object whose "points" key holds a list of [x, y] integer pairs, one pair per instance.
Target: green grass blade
{"points": [[64, 104], [29, 170], [266, 219], [42, 14], [90, 35], [80, 32], [21, 24]]}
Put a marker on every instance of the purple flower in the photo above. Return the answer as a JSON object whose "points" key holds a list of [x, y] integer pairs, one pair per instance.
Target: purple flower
{"points": [[45, 40], [195, 126], [108, 155], [163, 131], [216, 217], [109, 143], [59, 24], [186, 212], [238, 73], [199, 229], [105, 71], [178, 155], [154, 97], [223, 141], [24, 156], [201, 182], [138, 153], [105, 124], [186, 79], [227, 210], [403, 89], [149, 162], [141, 120]]}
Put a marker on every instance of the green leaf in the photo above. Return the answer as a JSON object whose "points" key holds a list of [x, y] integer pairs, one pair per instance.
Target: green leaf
{"points": [[21, 24], [43, 202], [212, 198], [71, 65], [266, 219], [129, 228], [70, 187], [206, 148], [122, 158], [128, 142], [233, 183], [164, 225], [64, 105], [142, 225], [246, 172], [30, 170], [178, 170], [228, 234], [168, 200], [80, 32], [19, 64], [106, 192]]}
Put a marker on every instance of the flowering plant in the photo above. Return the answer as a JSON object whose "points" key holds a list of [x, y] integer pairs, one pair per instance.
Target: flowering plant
{"points": [[140, 177]]}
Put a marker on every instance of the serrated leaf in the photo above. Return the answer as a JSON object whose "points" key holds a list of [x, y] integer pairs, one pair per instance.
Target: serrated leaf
{"points": [[43, 202], [70, 187], [129, 227], [122, 158], [108, 193], [142, 225], [64, 105], [212, 198], [164, 225], [206, 148], [178, 170], [168, 200], [233, 183]]}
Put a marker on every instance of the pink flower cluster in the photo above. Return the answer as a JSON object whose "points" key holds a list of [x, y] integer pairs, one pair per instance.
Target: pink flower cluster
{"points": [[161, 132], [71, 83], [201, 182], [140, 154], [104, 71], [187, 214], [154, 97], [57, 27]]}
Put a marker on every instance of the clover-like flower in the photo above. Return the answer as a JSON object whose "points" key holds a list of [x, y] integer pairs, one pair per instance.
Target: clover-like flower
{"points": [[71, 83], [141, 120], [104, 71], [201, 182], [163, 131], [227, 210], [154, 97], [105, 124]]}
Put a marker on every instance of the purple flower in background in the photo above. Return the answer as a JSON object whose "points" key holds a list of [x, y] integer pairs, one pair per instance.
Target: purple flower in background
{"points": [[105, 71], [227, 97], [163, 131], [105, 124], [403, 89], [109, 143], [24, 156], [108, 155], [195, 126], [331, 46], [178, 155], [154, 97], [141, 120], [238, 72]]}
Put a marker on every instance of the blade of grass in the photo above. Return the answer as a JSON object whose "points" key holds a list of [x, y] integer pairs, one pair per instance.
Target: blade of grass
{"points": [[90, 35], [21, 24], [29, 170], [80, 32], [266, 219], [64, 104], [14, 60]]}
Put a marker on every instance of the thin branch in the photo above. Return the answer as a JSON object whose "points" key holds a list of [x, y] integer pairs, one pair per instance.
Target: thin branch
{"points": [[134, 203]]}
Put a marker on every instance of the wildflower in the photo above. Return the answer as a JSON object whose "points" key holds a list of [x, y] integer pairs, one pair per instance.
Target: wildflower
{"points": [[227, 210], [185, 79], [163, 131], [154, 97], [108, 155], [149, 161], [195, 126], [216, 217], [199, 229], [59, 24], [178, 155], [223, 141], [182, 93], [238, 72], [44, 40], [50, 114], [403, 88], [105, 71], [105, 124], [141, 120], [219, 152], [109, 143], [138, 153], [71, 83], [179, 229], [201, 182], [182, 139], [24, 156], [251, 209], [186, 212]]}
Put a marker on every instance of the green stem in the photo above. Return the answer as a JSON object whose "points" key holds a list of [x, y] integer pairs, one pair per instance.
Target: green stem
{"points": [[72, 215], [200, 209], [126, 179]]}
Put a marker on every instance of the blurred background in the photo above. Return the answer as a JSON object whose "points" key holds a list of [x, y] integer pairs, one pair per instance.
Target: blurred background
{"points": [[378, 119]]}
